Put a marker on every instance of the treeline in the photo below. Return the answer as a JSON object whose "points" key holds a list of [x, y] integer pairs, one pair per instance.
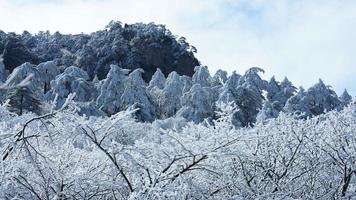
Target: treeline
{"points": [[194, 98]]}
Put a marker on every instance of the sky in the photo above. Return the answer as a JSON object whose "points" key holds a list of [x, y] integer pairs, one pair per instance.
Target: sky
{"points": [[301, 39]]}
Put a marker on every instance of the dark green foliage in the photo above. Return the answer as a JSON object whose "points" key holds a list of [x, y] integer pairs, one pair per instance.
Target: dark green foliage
{"points": [[21, 99]]}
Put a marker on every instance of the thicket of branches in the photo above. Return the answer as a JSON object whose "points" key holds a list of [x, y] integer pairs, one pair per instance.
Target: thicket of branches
{"points": [[62, 155]]}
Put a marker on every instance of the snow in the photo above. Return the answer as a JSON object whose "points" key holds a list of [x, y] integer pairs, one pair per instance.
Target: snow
{"points": [[65, 155]]}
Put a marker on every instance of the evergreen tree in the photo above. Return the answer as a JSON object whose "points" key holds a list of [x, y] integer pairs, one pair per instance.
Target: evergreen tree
{"points": [[273, 89], [135, 95], [112, 88], [201, 76], [157, 80], [72, 80], [49, 71], [286, 92], [268, 111], [298, 104], [219, 78], [227, 93], [3, 73], [345, 98], [21, 99], [252, 78], [169, 97], [187, 83], [248, 97], [249, 101], [24, 71], [322, 98], [197, 104]]}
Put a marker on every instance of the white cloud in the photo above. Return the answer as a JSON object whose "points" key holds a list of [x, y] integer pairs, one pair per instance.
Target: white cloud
{"points": [[304, 40]]}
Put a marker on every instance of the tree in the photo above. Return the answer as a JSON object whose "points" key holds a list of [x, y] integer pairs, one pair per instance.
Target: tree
{"points": [[49, 71], [322, 98], [298, 104], [251, 77], [169, 97], [197, 104], [72, 80], [29, 72], [345, 98], [286, 92], [273, 89], [201, 76], [21, 99], [3, 73], [111, 90], [249, 101], [219, 78], [135, 94], [268, 111], [157, 80]]}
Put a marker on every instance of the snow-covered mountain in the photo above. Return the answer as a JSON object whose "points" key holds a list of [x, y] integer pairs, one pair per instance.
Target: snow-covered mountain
{"points": [[129, 113]]}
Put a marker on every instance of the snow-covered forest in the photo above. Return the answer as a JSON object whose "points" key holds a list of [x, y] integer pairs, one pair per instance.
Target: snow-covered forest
{"points": [[129, 113]]}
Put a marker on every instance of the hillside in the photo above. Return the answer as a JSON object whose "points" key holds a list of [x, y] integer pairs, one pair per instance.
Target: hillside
{"points": [[129, 113], [146, 46]]}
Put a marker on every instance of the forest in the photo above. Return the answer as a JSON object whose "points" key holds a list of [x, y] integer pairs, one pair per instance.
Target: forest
{"points": [[129, 113]]}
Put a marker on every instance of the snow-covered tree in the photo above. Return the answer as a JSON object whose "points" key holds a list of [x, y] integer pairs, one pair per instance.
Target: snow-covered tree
{"points": [[49, 71], [197, 104], [187, 83], [21, 99], [298, 104], [169, 97], [273, 89], [228, 91], [219, 78], [252, 78], [345, 98], [322, 98], [111, 90], [201, 76], [286, 92], [3, 73], [249, 101], [268, 111], [72, 80], [28, 72], [246, 93], [135, 95], [158, 80]]}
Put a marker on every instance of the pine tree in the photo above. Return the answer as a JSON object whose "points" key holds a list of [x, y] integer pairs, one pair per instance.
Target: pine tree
{"points": [[49, 71], [201, 76], [169, 97], [322, 98], [268, 111], [298, 104], [157, 80], [345, 98], [197, 104], [109, 99], [251, 77], [3, 73], [273, 89], [135, 94], [286, 92], [21, 99], [219, 78]]}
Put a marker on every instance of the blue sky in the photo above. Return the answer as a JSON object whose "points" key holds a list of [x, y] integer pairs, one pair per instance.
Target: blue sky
{"points": [[303, 40]]}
